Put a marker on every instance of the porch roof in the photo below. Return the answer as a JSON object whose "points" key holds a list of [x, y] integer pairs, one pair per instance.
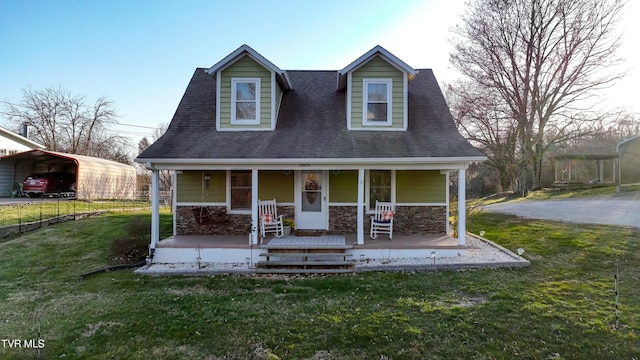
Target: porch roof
{"points": [[311, 125]]}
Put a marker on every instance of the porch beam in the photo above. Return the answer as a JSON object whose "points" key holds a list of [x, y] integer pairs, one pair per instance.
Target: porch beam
{"points": [[360, 210], [254, 206], [462, 215]]}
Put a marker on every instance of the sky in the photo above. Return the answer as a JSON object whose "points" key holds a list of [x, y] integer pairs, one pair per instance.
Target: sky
{"points": [[142, 54]]}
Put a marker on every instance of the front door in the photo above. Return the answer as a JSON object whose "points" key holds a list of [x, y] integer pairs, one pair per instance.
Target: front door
{"points": [[311, 200]]}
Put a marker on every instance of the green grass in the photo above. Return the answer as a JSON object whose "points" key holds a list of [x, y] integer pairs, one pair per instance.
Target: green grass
{"points": [[545, 194], [40, 209], [561, 307]]}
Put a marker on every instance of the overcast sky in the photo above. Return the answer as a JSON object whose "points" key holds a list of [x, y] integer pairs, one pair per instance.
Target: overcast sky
{"points": [[142, 54]]}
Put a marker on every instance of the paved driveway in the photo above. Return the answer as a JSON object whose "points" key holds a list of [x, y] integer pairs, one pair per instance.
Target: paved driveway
{"points": [[619, 209]]}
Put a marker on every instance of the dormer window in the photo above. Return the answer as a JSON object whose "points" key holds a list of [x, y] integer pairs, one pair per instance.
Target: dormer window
{"points": [[245, 101], [377, 101]]}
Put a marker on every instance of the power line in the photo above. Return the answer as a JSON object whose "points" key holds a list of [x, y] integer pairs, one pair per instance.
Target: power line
{"points": [[138, 126]]}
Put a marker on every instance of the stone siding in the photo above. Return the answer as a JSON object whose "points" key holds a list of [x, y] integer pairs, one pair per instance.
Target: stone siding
{"points": [[342, 219], [238, 224], [409, 220], [417, 220]]}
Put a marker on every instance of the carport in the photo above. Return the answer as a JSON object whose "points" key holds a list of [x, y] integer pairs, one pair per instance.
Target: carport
{"points": [[585, 170], [95, 178]]}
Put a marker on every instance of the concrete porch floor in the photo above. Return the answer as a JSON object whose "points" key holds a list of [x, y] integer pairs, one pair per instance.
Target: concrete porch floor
{"points": [[242, 242]]}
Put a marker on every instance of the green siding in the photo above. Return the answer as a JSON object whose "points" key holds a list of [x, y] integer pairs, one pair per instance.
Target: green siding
{"points": [[377, 68], [245, 68], [191, 186], [343, 187], [418, 186], [275, 185]]}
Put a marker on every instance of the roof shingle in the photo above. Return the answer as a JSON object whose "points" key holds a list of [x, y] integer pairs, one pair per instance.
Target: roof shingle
{"points": [[311, 124]]}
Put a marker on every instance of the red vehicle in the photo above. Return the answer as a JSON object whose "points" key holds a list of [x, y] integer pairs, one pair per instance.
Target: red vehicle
{"points": [[50, 184]]}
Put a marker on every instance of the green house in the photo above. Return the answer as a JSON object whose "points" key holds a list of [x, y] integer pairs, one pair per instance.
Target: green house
{"points": [[377, 130]]}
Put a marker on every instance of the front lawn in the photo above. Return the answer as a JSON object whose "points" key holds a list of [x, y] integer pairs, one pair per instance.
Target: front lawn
{"points": [[561, 307]]}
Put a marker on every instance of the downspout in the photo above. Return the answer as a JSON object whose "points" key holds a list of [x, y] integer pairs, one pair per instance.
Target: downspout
{"points": [[155, 211]]}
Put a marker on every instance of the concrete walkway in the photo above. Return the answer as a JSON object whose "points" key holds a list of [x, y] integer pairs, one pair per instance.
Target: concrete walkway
{"points": [[618, 209]]}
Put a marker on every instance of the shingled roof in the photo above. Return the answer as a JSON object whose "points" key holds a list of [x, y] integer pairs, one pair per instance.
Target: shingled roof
{"points": [[311, 124]]}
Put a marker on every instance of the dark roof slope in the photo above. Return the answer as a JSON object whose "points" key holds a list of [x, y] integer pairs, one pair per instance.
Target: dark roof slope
{"points": [[311, 124]]}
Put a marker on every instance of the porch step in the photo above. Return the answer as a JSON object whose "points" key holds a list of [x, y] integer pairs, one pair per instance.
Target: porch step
{"points": [[306, 255], [317, 248], [296, 267], [303, 271], [314, 259]]}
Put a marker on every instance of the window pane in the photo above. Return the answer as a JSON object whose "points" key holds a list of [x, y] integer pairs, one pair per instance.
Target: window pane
{"points": [[245, 110], [240, 198], [379, 186], [312, 192], [376, 112], [245, 91], [380, 194], [240, 190], [377, 92]]}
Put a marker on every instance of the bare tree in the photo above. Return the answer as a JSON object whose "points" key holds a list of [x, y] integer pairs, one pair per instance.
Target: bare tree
{"points": [[64, 122], [165, 176], [543, 60], [480, 119]]}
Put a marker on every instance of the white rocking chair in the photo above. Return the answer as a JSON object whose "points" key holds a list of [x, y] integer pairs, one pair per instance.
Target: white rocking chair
{"points": [[270, 222], [382, 220]]}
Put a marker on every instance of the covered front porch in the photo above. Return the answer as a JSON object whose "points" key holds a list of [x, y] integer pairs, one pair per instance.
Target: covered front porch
{"points": [[335, 199]]}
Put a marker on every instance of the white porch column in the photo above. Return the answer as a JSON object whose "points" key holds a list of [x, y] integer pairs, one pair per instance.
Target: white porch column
{"points": [[254, 206], [155, 208], [447, 223], [360, 212], [462, 215]]}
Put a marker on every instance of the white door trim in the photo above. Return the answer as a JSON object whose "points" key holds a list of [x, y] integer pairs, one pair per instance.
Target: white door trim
{"points": [[318, 220]]}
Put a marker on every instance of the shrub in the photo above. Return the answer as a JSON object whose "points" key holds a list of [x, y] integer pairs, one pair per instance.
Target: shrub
{"points": [[133, 247]]}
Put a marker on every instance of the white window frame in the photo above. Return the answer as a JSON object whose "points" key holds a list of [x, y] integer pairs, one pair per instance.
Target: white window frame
{"points": [[234, 84], [365, 102]]}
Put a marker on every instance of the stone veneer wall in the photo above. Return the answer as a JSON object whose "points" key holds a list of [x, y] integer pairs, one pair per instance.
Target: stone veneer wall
{"points": [[238, 224], [342, 220], [409, 220]]}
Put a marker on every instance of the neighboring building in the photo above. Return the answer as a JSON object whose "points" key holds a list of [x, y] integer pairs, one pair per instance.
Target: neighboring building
{"points": [[96, 178], [12, 143], [376, 130], [629, 154]]}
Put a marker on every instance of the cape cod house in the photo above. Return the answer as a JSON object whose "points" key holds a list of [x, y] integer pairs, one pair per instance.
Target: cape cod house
{"points": [[326, 145]]}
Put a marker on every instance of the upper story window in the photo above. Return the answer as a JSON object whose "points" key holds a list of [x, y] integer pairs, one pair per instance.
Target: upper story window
{"points": [[377, 101], [245, 101]]}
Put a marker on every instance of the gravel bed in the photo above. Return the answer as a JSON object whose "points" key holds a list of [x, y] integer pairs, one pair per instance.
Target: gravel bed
{"points": [[481, 253]]}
